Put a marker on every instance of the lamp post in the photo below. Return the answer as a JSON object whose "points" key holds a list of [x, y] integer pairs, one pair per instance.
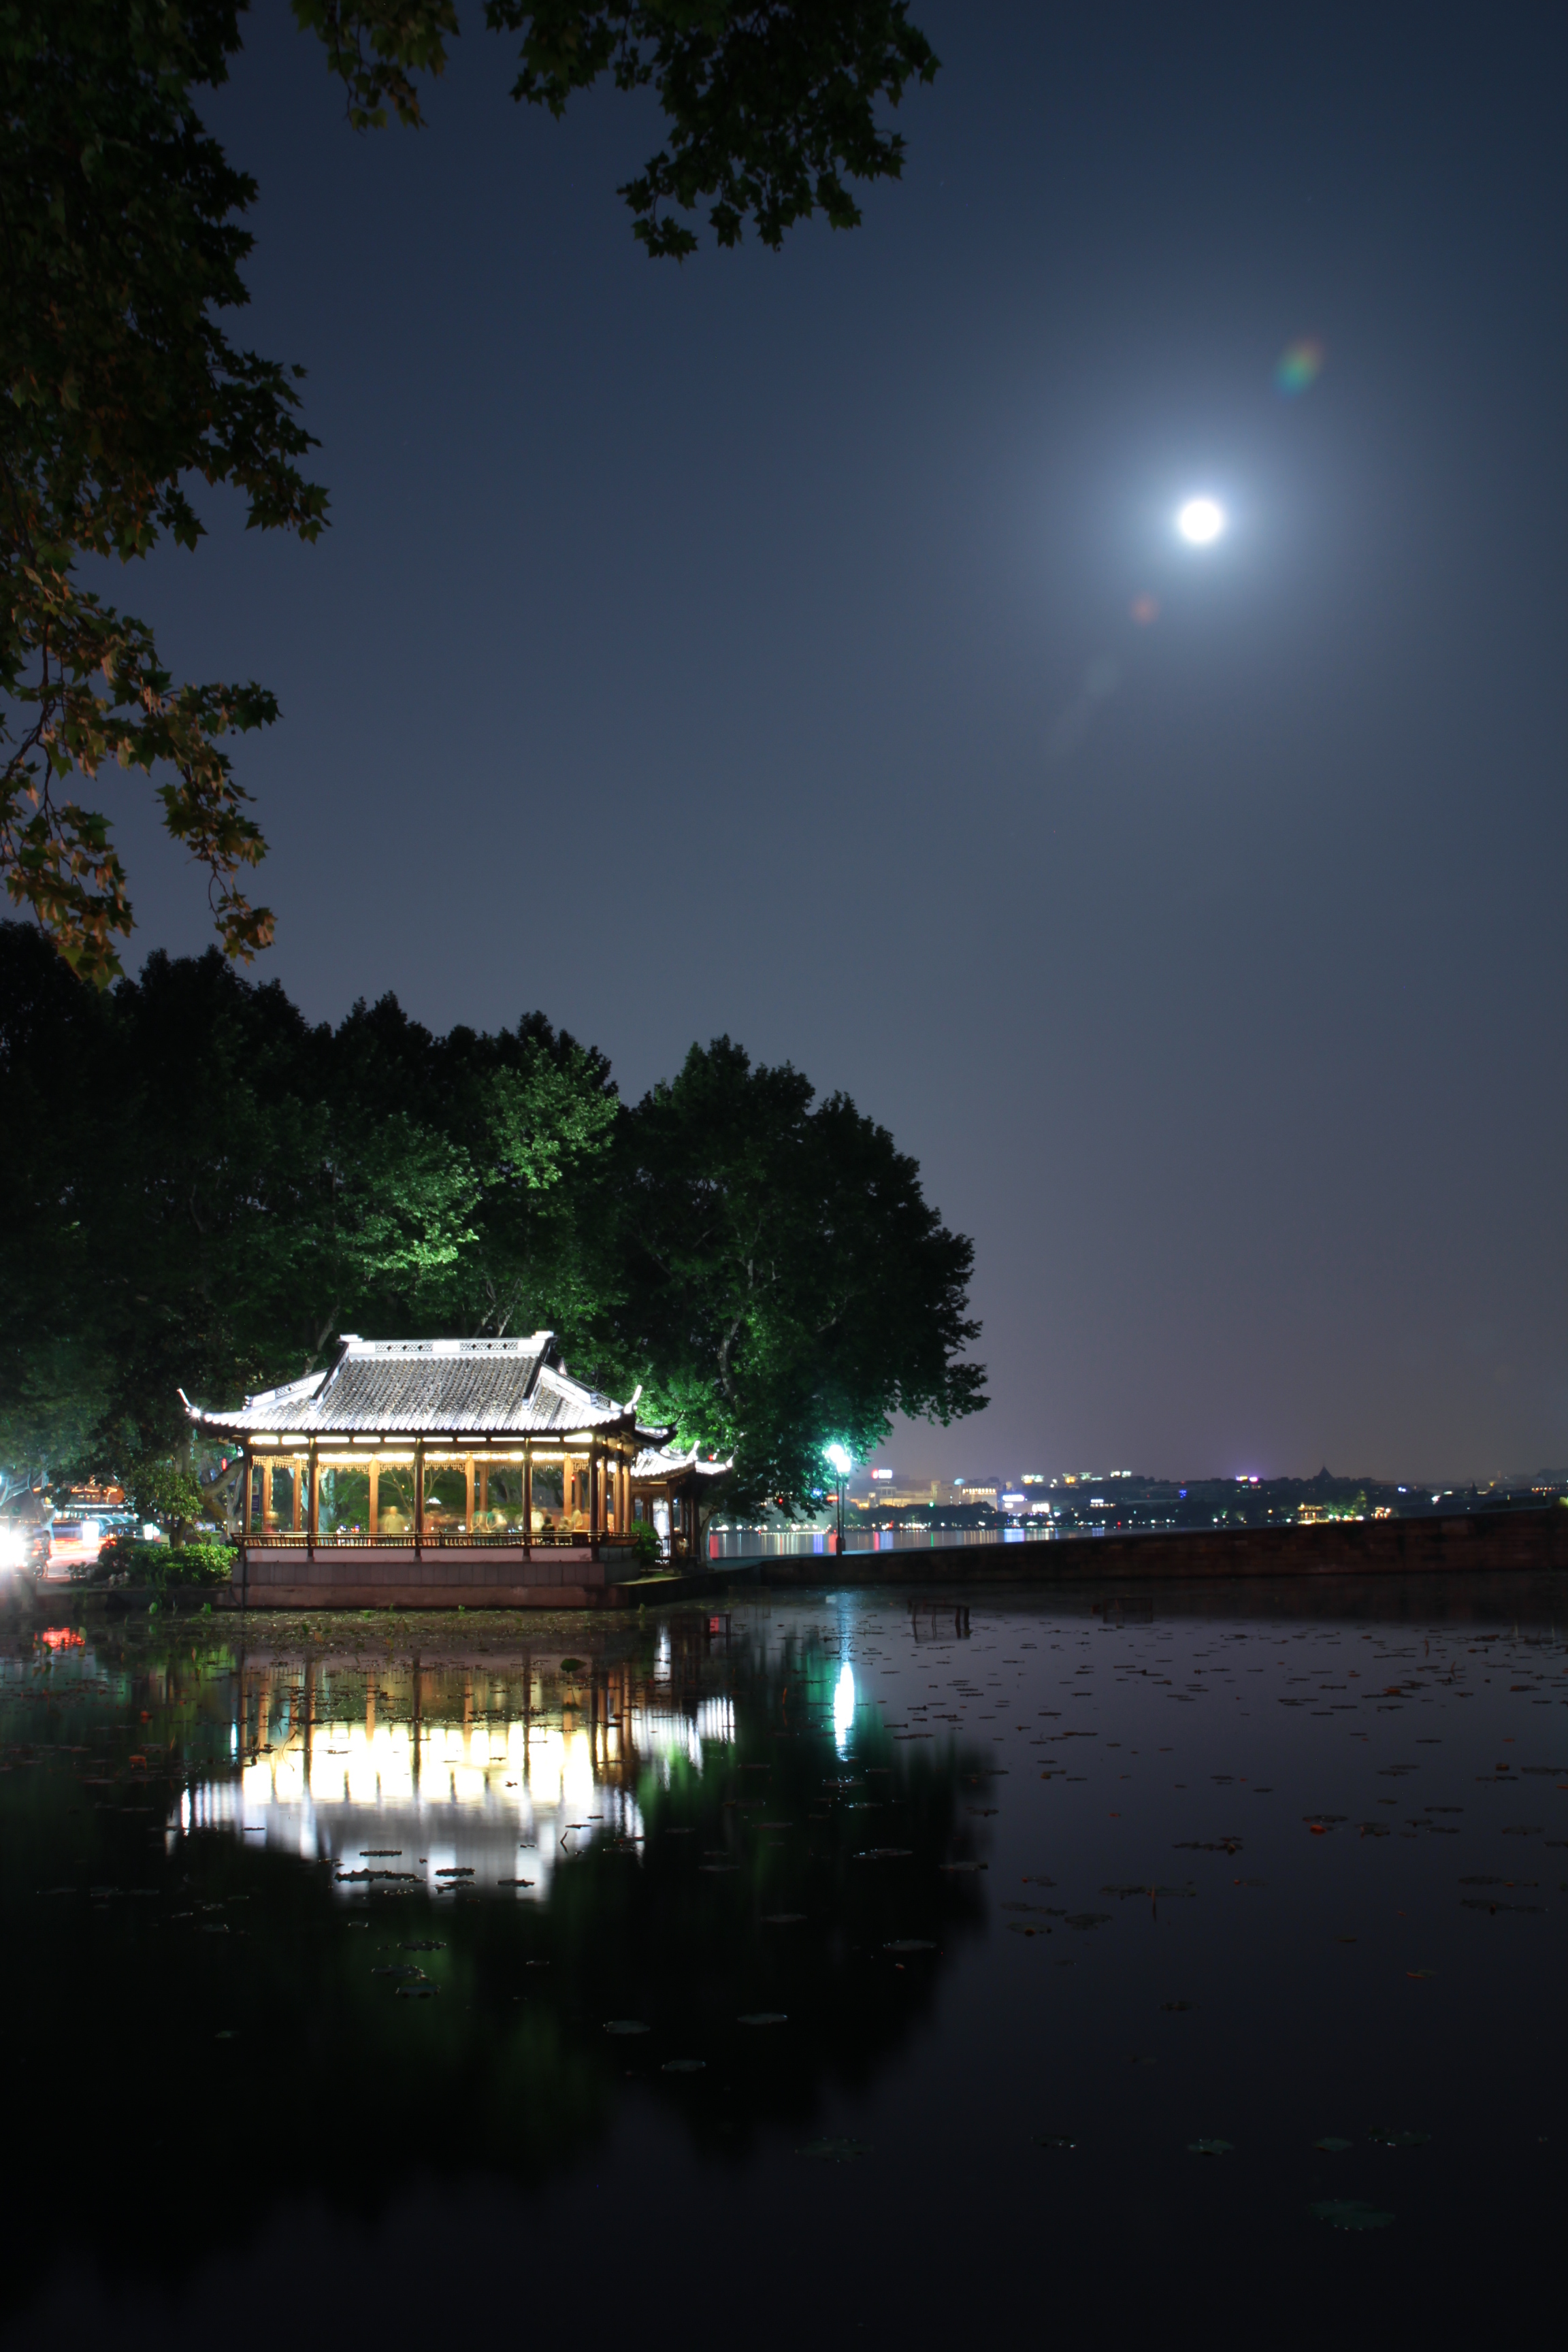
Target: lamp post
{"points": [[843, 1461]]}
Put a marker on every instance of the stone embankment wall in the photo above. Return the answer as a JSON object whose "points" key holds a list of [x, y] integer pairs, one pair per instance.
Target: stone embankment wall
{"points": [[1458, 1545], [1521, 1542]]}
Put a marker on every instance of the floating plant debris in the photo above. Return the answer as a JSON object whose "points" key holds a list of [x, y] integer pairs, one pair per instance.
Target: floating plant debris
{"points": [[1349, 2213]]}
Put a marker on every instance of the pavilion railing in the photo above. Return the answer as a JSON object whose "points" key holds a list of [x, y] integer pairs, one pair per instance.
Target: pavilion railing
{"points": [[445, 1539]]}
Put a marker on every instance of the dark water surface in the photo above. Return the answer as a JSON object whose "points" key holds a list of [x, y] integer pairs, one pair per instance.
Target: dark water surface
{"points": [[834, 1968]]}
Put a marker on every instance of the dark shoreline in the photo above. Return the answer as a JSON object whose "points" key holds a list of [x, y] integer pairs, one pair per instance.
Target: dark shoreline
{"points": [[1487, 1543], [1457, 1544]]}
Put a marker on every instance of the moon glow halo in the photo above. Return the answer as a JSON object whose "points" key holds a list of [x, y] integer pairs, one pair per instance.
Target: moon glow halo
{"points": [[1201, 521]]}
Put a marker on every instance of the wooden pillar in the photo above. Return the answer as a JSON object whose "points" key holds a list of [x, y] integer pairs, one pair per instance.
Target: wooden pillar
{"points": [[249, 1482], [594, 1459], [484, 1489], [528, 1498], [418, 1494], [469, 1493], [296, 1463], [373, 1508], [266, 1496], [313, 1523]]}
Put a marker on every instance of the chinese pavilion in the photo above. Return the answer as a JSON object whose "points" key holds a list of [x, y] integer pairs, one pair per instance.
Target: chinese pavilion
{"points": [[419, 1473]]}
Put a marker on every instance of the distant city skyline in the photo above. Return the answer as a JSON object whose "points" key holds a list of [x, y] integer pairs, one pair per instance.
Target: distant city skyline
{"points": [[909, 1474]]}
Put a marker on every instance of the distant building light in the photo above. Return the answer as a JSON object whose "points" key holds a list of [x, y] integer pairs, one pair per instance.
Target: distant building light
{"points": [[1034, 1479], [881, 1473]]}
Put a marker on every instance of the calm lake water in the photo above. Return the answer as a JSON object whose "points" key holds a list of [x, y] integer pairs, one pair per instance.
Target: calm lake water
{"points": [[833, 1970]]}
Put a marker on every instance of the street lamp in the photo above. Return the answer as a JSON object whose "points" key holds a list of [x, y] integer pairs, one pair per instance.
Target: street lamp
{"points": [[843, 1461]]}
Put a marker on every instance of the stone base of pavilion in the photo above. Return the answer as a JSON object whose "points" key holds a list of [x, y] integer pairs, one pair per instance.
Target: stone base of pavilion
{"points": [[473, 1576]]}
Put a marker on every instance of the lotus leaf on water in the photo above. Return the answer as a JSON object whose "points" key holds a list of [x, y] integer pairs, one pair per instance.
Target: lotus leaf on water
{"points": [[1350, 2213], [684, 2066], [765, 2017], [1210, 2147], [625, 2025], [1332, 2146], [1088, 1919], [1056, 2142], [836, 2151], [1400, 2139]]}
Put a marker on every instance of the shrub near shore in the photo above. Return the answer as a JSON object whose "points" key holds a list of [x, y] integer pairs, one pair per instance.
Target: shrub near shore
{"points": [[162, 1567]]}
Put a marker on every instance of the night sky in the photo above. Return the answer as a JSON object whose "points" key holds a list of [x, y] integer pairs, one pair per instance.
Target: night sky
{"points": [[750, 647]]}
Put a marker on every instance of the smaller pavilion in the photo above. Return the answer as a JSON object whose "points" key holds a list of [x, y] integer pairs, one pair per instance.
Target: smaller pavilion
{"points": [[414, 1473], [667, 1489]]}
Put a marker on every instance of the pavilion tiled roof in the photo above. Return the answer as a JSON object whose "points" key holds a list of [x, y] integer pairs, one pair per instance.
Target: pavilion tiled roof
{"points": [[417, 1388]]}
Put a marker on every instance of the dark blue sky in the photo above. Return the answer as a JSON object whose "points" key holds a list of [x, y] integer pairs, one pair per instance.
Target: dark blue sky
{"points": [[747, 646]]}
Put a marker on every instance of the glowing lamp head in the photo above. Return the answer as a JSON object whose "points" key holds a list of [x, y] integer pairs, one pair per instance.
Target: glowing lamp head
{"points": [[1201, 521], [840, 1458]]}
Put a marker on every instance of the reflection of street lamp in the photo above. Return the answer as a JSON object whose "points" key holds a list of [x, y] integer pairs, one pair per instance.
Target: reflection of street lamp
{"points": [[843, 1461]]}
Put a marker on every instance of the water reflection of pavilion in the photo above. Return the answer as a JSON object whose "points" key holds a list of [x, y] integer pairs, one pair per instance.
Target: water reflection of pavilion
{"points": [[453, 1775]]}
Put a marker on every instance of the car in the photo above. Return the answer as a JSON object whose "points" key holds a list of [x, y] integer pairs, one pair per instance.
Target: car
{"points": [[25, 1535]]}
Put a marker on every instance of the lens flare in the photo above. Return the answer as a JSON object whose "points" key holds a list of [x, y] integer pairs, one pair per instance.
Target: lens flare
{"points": [[1298, 367], [1200, 521]]}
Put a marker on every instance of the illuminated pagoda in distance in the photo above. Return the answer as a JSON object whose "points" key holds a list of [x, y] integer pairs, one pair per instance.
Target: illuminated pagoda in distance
{"points": [[422, 1473]]}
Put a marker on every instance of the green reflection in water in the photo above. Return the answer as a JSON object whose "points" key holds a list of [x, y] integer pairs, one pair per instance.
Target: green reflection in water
{"points": [[214, 2006]]}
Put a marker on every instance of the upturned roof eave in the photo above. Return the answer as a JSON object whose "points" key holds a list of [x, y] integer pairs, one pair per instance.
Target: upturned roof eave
{"points": [[246, 1423]]}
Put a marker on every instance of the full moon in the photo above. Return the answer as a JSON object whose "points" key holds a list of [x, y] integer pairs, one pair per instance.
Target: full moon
{"points": [[1200, 520]]}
